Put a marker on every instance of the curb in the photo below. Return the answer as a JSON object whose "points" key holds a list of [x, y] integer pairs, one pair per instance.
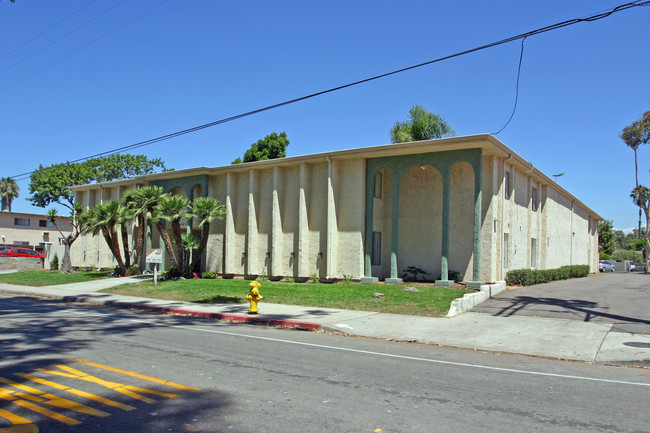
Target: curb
{"points": [[233, 318]]}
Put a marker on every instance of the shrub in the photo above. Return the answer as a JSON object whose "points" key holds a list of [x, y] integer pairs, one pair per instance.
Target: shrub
{"points": [[347, 279], [209, 275], [315, 278], [171, 273], [133, 270], [412, 273], [635, 256], [529, 277], [54, 264]]}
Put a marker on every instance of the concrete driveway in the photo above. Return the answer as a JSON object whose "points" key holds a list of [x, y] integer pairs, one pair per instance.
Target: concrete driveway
{"points": [[619, 298]]}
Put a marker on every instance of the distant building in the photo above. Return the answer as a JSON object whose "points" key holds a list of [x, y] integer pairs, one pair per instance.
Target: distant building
{"points": [[34, 231], [466, 204]]}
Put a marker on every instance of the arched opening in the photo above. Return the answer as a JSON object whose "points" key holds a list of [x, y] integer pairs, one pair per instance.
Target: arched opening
{"points": [[420, 220]]}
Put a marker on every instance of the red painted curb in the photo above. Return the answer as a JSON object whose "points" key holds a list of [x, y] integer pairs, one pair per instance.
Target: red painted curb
{"points": [[256, 320]]}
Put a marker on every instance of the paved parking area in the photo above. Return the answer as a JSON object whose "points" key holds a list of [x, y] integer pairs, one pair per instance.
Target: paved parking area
{"points": [[620, 298]]}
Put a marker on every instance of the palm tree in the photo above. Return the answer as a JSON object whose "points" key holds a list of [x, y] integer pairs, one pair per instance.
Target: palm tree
{"points": [[125, 218], [641, 197], [104, 218], [173, 209], [142, 203], [189, 243], [421, 125], [8, 192], [633, 136], [205, 209]]}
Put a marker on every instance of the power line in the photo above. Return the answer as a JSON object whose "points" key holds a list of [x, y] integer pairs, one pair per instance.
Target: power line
{"points": [[59, 39], [47, 29], [521, 57], [592, 18]]}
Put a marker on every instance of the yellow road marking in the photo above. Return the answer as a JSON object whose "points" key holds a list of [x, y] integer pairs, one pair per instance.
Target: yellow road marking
{"points": [[26, 428], [131, 391], [138, 375], [14, 419], [6, 394], [52, 399], [87, 395]]}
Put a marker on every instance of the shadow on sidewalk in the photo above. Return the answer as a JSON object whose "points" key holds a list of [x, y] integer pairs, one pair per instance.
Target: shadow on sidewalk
{"points": [[588, 308]]}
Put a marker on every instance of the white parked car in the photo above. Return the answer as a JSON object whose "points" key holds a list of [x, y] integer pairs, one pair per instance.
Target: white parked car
{"points": [[605, 266]]}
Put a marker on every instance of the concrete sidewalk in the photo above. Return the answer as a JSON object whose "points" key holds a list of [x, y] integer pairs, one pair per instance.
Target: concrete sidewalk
{"points": [[553, 338]]}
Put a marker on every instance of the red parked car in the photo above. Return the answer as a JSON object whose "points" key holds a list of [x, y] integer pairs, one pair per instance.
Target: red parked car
{"points": [[19, 252]]}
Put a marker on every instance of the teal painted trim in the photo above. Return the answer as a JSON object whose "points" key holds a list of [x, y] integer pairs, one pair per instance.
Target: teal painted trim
{"points": [[443, 162], [446, 193], [187, 183], [370, 198], [478, 210], [394, 235]]}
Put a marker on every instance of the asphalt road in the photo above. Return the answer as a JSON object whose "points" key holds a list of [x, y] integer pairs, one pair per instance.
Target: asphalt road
{"points": [[622, 298], [218, 377]]}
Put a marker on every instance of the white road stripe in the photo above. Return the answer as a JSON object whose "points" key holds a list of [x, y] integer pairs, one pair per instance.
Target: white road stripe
{"points": [[365, 352]]}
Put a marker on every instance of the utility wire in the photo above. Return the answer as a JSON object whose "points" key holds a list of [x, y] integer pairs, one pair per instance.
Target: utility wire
{"points": [[595, 17], [521, 56], [59, 39], [47, 30]]}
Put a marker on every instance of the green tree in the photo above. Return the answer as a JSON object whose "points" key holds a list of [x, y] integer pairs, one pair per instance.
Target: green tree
{"points": [[606, 241], [78, 220], [52, 185], [8, 192], [143, 203], [174, 208], [189, 243], [641, 197], [272, 146], [206, 209], [633, 136], [420, 125], [104, 218]]}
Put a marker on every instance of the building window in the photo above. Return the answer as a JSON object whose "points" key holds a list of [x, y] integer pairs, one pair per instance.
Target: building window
{"points": [[376, 249], [533, 253], [21, 222], [506, 185], [378, 184], [533, 198], [45, 223], [506, 251]]}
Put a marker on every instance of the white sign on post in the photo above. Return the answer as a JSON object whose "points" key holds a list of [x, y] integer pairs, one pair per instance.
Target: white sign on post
{"points": [[154, 255]]}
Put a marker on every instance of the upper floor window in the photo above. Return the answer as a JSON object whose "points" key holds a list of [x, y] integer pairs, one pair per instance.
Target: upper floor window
{"points": [[45, 223], [21, 222], [533, 199], [506, 185], [378, 184]]}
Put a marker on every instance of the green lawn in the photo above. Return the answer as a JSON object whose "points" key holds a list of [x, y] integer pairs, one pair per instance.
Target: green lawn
{"points": [[48, 278], [428, 301]]}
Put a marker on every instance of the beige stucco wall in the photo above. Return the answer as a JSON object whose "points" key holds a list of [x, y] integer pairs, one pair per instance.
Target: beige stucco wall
{"points": [[44, 239], [314, 208]]}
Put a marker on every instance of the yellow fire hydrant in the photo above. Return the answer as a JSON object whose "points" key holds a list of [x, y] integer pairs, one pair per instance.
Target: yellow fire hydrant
{"points": [[254, 296]]}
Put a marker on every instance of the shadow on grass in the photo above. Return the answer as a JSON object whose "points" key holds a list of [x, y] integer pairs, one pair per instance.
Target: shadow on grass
{"points": [[222, 300]]}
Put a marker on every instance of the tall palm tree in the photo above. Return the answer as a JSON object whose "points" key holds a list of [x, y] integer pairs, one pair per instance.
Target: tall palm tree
{"points": [[205, 209], [173, 209], [641, 197], [633, 136], [124, 219], [189, 243], [104, 218], [142, 202], [8, 192]]}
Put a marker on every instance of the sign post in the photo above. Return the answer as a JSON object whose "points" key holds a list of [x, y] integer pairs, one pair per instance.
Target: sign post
{"points": [[154, 255]]}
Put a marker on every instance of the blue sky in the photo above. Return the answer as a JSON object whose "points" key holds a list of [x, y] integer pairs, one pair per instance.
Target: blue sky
{"points": [[146, 68]]}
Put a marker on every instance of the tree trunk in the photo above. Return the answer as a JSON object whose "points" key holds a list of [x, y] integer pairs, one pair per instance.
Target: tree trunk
{"points": [[125, 246], [162, 229], [205, 233], [66, 263], [141, 243], [112, 243], [178, 240]]}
